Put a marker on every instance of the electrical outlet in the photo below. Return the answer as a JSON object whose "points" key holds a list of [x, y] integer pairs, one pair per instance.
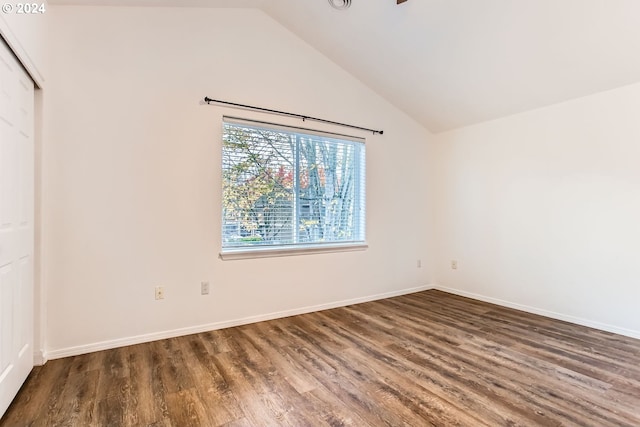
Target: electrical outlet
{"points": [[454, 264], [159, 292], [419, 263], [204, 288]]}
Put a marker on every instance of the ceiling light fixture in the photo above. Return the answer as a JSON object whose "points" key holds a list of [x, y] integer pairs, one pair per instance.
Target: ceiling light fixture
{"points": [[340, 4]]}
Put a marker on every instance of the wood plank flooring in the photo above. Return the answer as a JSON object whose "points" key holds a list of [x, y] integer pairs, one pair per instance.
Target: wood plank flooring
{"points": [[425, 359]]}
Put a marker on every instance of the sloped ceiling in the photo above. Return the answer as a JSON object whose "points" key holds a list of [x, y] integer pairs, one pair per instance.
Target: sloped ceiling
{"points": [[452, 63]]}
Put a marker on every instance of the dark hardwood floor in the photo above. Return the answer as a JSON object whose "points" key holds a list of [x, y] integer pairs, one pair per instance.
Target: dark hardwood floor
{"points": [[428, 358]]}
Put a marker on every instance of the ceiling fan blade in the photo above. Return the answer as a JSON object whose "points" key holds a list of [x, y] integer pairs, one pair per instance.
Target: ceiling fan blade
{"points": [[401, 1]]}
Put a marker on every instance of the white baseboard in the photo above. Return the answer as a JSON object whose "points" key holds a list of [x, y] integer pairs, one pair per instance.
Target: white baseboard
{"points": [[122, 342], [551, 314], [39, 358]]}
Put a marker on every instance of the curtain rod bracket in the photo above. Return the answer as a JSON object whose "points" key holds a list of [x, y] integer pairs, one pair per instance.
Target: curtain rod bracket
{"points": [[284, 113]]}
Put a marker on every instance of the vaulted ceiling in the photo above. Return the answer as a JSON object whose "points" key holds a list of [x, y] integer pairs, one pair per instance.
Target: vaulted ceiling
{"points": [[452, 63]]}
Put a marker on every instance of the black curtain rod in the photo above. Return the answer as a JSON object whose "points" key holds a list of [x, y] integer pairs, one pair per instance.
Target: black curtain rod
{"points": [[284, 113]]}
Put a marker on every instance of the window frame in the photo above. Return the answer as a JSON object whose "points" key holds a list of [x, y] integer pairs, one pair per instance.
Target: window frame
{"points": [[285, 250]]}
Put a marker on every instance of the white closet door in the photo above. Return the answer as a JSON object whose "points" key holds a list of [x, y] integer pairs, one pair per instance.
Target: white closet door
{"points": [[16, 226]]}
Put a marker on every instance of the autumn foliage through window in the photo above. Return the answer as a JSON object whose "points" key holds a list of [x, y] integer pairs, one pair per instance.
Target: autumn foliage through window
{"points": [[285, 187]]}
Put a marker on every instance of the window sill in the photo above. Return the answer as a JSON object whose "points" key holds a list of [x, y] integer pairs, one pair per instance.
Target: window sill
{"points": [[231, 255]]}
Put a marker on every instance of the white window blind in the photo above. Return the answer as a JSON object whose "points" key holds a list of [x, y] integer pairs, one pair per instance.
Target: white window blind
{"points": [[289, 188]]}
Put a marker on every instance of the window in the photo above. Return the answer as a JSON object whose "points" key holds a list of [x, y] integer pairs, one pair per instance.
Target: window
{"points": [[289, 189]]}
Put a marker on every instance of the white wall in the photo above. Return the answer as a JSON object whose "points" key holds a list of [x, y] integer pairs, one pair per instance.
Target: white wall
{"points": [[542, 210], [132, 175]]}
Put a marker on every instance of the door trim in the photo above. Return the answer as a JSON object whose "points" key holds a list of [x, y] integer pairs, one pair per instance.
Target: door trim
{"points": [[20, 52]]}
